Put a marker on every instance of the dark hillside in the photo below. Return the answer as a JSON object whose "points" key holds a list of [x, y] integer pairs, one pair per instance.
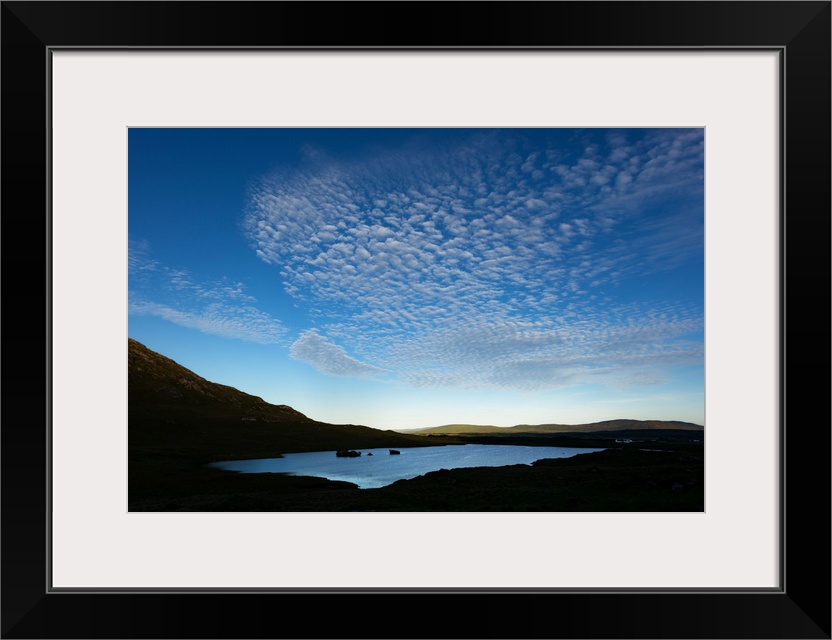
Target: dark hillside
{"points": [[178, 421], [173, 409]]}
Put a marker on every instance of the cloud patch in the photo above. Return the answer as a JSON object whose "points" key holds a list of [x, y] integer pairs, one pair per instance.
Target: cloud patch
{"points": [[215, 307], [237, 323], [504, 260], [327, 357]]}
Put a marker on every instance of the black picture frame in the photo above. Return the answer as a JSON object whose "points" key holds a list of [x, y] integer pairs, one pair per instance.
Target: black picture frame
{"points": [[799, 31]]}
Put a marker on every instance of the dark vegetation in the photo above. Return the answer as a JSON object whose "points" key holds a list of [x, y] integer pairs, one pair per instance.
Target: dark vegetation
{"points": [[178, 422]]}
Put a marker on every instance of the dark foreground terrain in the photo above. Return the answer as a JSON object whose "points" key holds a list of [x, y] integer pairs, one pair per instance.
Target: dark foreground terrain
{"points": [[178, 422], [612, 480]]}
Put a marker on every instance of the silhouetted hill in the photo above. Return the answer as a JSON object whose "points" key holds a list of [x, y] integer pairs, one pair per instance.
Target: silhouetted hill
{"points": [[159, 382], [173, 410]]}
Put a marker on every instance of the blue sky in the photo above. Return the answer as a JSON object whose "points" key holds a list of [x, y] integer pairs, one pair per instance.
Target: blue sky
{"points": [[405, 278]]}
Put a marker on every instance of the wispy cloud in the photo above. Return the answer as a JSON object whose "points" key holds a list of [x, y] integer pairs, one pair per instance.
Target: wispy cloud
{"points": [[327, 357], [541, 355], [138, 259], [238, 323], [219, 307]]}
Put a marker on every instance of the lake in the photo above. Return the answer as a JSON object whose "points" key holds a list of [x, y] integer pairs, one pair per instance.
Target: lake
{"points": [[381, 468]]}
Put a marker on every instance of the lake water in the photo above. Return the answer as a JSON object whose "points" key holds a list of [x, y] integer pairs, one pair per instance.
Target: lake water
{"points": [[381, 468]]}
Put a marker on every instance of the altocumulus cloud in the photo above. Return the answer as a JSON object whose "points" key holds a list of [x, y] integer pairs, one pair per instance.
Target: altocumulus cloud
{"points": [[327, 357], [499, 261]]}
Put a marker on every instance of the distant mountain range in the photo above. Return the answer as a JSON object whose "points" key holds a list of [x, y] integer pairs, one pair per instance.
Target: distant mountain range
{"points": [[522, 429]]}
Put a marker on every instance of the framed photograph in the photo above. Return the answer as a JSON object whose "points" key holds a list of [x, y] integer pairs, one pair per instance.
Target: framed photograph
{"points": [[415, 299], [129, 124]]}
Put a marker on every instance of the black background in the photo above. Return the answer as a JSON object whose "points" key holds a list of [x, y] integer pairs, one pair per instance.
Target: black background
{"points": [[801, 609]]}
